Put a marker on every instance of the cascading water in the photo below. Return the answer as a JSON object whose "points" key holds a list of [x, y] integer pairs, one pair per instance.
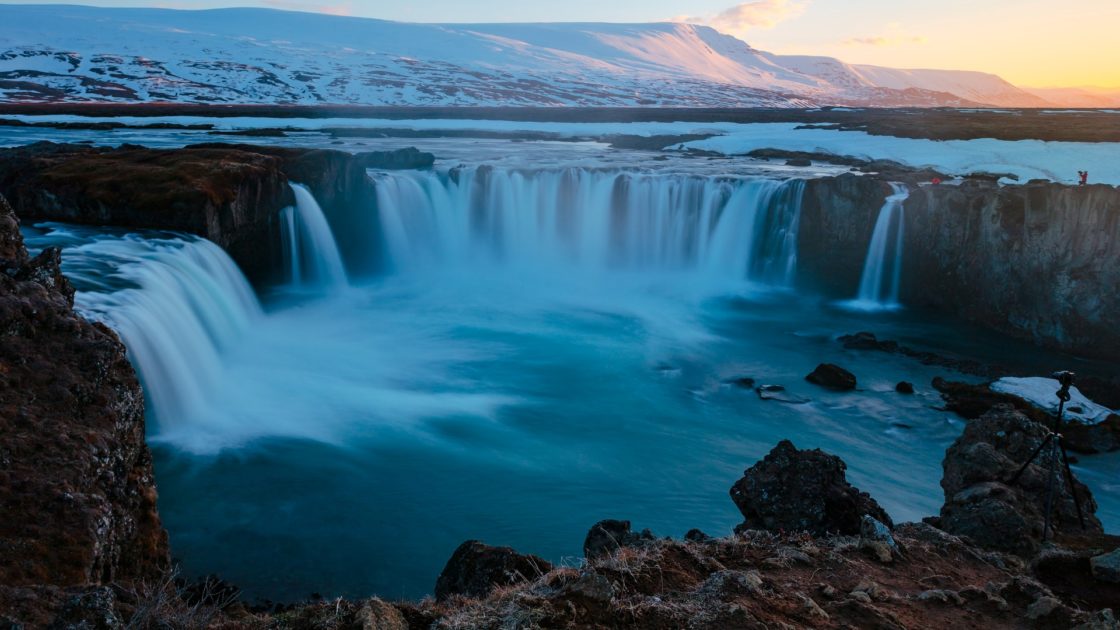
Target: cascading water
{"points": [[744, 229], [882, 272], [310, 252], [177, 301]]}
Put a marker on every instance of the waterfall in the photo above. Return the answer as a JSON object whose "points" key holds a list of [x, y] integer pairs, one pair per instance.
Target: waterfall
{"points": [[177, 301], [882, 272], [578, 218], [310, 252]]}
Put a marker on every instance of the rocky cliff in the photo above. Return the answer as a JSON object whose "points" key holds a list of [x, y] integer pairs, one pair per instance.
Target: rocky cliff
{"points": [[229, 194], [76, 489], [1039, 261]]}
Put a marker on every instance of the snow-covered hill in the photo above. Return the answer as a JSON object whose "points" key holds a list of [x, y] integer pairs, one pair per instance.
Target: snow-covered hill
{"points": [[73, 53]]}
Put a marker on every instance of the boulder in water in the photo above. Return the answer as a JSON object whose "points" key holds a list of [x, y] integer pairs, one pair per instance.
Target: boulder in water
{"points": [[982, 503], [801, 490], [832, 377], [476, 568], [904, 387]]}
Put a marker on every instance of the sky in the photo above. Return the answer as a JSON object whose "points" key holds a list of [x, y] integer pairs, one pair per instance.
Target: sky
{"points": [[1032, 43]]}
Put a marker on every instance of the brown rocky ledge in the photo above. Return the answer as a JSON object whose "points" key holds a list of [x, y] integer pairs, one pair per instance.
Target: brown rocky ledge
{"points": [[230, 194], [77, 497]]}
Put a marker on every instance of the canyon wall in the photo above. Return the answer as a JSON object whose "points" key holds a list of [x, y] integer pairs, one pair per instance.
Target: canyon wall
{"points": [[1039, 261]]}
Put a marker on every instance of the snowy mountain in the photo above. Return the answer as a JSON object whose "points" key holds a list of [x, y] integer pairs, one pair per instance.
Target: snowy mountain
{"points": [[72, 53]]}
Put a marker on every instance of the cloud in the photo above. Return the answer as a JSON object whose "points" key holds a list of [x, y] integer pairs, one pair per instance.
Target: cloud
{"points": [[342, 8], [884, 41], [750, 15]]}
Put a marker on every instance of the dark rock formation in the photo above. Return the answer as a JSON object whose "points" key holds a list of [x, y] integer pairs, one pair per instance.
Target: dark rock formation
{"points": [[868, 341], [838, 215], [608, 536], [802, 491], [475, 569], [228, 193], [76, 490], [832, 376], [904, 387], [972, 401], [1040, 261], [982, 504]]}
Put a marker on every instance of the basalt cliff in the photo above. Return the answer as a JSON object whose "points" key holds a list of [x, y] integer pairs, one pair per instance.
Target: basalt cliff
{"points": [[1040, 261]]}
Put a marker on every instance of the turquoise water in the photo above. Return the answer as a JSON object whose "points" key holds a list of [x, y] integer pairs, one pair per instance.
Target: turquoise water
{"points": [[511, 377]]}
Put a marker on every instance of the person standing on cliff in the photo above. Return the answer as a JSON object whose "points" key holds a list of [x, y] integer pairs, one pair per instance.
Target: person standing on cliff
{"points": [[1084, 175]]}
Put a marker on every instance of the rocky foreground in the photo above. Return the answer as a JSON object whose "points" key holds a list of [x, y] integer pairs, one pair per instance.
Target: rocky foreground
{"points": [[82, 546]]}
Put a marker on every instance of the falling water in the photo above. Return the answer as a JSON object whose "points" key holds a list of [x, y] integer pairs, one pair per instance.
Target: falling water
{"points": [[311, 254], [882, 273], [592, 219], [177, 301]]}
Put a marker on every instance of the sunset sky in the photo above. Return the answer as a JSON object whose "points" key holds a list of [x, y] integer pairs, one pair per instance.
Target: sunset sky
{"points": [[1035, 43]]}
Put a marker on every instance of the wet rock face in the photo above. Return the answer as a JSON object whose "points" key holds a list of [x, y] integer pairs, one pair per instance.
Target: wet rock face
{"points": [[76, 490], [838, 215], [983, 505], [793, 490], [1040, 261], [475, 569]]}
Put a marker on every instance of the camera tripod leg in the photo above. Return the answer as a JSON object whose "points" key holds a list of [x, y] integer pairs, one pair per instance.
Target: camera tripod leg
{"points": [[1072, 487], [1032, 457]]}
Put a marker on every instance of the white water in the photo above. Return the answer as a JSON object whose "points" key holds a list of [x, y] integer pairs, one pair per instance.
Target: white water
{"points": [[178, 302], [592, 220], [882, 272], [310, 252]]}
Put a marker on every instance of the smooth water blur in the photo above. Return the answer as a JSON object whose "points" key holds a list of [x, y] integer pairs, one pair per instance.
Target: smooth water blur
{"points": [[882, 271], [514, 379]]}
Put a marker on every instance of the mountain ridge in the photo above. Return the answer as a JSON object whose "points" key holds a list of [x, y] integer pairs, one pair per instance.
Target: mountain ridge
{"points": [[72, 53]]}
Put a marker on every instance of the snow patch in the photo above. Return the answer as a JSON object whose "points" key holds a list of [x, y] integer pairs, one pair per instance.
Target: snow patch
{"points": [[1042, 393]]}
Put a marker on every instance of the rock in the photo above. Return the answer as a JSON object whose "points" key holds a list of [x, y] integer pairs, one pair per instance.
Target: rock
{"points": [[792, 490], [475, 569], [904, 387], [800, 162], [778, 393], [745, 382], [695, 535], [608, 536], [94, 609], [970, 401], [833, 377], [942, 596], [873, 530], [1106, 567], [401, 159], [77, 492], [867, 341], [1101, 437], [981, 503]]}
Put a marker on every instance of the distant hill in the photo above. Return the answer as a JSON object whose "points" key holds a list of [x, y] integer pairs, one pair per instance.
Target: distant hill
{"points": [[52, 53]]}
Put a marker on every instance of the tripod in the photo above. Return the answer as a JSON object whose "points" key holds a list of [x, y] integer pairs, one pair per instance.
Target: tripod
{"points": [[1055, 441]]}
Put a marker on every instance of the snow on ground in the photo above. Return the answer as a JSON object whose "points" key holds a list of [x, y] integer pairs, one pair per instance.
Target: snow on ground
{"points": [[1028, 159], [1042, 393]]}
